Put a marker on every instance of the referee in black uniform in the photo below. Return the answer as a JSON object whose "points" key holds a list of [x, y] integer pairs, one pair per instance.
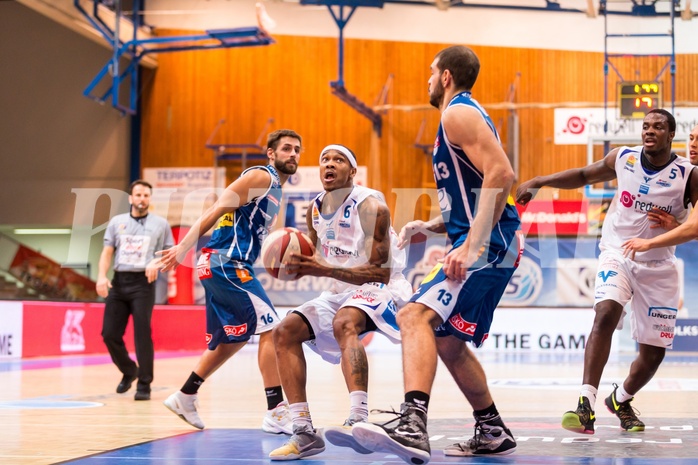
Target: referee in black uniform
{"points": [[131, 239]]}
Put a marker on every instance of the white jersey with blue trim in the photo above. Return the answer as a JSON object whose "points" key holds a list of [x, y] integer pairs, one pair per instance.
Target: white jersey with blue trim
{"points": [[239, 235], [342, 239], [458, 183], [640, 190]]}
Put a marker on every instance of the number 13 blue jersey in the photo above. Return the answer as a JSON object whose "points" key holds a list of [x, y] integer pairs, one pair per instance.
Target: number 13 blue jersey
{"points": [[458, 183]]}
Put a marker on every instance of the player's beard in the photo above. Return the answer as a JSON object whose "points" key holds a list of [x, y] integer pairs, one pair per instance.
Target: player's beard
{"points": [[436, 98], [285, 167]]}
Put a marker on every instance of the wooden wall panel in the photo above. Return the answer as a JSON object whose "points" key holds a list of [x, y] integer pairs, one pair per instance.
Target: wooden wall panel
{"points": [[289, 82]]}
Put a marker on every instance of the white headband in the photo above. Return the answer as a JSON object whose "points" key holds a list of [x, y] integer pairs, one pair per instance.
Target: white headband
{"points": [[343, 150]]}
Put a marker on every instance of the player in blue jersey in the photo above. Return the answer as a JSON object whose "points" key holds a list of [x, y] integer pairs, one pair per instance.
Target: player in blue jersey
{"points": [[456, 301], [236, 304]]}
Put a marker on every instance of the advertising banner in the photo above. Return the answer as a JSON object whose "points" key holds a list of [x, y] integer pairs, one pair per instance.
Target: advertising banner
{"points": [[574, 126], [560, 272], [554, 217], [38, 329], [531, 329], [10, 330], [62, 328], [686, 335], [553, 272], [181, 194]]}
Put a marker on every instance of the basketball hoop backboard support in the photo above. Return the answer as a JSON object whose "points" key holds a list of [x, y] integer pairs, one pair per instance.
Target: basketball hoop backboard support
{"points": [[640, 10], [341, 18], [238, 152], [137, 49]]}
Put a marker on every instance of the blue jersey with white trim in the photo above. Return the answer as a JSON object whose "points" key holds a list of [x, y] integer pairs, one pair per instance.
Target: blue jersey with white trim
{"points": [[458, 183], [239, 235]]}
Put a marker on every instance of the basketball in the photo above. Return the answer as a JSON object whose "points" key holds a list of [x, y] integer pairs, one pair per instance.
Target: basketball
{"points": [[278, 247]]}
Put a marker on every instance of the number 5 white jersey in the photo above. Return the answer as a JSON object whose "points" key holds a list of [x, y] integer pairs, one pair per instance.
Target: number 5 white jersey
{"points": [[639, 191]]}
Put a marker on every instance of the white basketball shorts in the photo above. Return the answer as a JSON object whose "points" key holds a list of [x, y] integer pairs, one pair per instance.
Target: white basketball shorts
{"points": [[375, 299], [652, 288]]}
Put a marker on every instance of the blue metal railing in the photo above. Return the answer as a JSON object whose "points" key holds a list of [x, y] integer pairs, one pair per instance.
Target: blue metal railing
{"points": [[136, 49]]}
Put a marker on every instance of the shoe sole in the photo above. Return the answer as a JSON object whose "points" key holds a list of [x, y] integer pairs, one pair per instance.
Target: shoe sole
{"points": [[482, 454], [307, 453], [572, 423], [374, 438], [341, 437], [634, 429], [174, 409], [274, 430]]}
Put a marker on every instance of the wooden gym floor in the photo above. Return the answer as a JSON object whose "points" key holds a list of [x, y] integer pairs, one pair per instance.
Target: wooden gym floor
{"points": [[66, 410]]}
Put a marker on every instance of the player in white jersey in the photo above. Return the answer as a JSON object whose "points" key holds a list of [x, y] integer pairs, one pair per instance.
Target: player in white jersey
{"points": [[683, 233], [649, 177], [357, 247]]}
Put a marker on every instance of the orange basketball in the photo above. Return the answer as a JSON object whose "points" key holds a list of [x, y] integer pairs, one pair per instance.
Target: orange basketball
{"points": [[278, 247]]}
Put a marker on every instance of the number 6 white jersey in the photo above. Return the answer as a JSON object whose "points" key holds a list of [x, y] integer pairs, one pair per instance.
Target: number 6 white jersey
{"points": [[638, 192], [342, 239]]}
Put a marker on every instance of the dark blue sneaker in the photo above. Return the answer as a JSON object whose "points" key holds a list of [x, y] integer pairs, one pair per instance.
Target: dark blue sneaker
{"points": [[488, 440], [408, 439]]}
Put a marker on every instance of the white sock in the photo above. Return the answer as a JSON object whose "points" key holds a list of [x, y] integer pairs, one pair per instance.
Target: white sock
{"points": [[622, 395], [300, 414], [359, 404], [589, 392]]}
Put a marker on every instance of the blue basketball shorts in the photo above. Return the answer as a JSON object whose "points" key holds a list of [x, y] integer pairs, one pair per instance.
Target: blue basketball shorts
{"points": [[236, 304], [466, 308]]}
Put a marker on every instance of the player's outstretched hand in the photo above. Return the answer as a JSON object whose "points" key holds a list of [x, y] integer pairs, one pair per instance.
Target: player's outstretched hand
{"points": [[632, 246], [170, 258], [409, 230], [661, 219], [526, 191]]}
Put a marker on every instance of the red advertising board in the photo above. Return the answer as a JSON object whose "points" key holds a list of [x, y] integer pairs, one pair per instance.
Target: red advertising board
{"points": [[64, 328], [58, 328], [555, 217]]}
